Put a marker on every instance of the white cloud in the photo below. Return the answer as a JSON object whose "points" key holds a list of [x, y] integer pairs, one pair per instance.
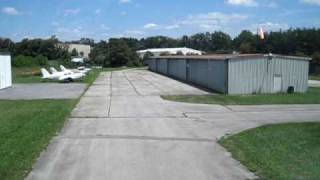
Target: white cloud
{"points": [[54, 23], [124, 1], [269, 26], [134, 32], [104, 27], [314, 2], [124, 13], [72, 33], [272, 5], [68, 12], [175, 26], [10, 11], [208, 26], [151, 26], [97, 11], [248, 3], [212, 19]]}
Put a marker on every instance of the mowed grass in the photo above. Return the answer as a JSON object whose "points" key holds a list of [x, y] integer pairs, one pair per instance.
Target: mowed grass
{"points": [[91, 76], [315, 77], [26, 75], [26, 128], [33, 75], [311, 97], [285, 151]]}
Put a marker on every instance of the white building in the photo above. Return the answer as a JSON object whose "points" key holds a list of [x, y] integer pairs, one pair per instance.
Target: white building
{"points": [[77, 60], [170, 51], [5, 70], [81, 49]]}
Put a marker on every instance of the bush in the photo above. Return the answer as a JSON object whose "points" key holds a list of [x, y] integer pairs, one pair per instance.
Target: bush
{"points": [[316, 57], [179, 53], [41, 60], [22, 61], [28, 61]]}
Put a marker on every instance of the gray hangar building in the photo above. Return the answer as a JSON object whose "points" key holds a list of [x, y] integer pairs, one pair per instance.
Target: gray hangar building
{"points": [[237, 74]]}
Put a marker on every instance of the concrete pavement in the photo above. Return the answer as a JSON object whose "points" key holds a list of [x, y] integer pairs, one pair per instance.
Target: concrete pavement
{"points": [[122, 129], [43, 91], [314, 83]]}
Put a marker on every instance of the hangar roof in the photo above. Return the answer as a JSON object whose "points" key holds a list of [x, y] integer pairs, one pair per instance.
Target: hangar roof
{"points": [[233, 56]]}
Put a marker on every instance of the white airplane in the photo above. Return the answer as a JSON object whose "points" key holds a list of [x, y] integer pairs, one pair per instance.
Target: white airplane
{"points": [[54, 71], [61, 76], [83, 68], [78, 70]]}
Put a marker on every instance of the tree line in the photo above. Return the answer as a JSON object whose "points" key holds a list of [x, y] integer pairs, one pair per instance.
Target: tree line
{"points": [[122, 51], [296, 42]]}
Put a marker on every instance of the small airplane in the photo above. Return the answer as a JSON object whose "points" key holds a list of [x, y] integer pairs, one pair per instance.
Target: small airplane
{"points": [[61, 76], [81, 69]]}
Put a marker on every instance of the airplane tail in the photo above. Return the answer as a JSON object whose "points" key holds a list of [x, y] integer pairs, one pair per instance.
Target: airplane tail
{"points": [[53, 70], [62, 68], [45, 73]]}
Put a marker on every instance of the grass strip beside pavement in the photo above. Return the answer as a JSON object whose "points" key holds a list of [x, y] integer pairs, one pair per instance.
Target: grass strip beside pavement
{"points": [[26, 128], [315, 77], [310, 97], [91, 76], [26, 75], [33, 74], [283, 151]]}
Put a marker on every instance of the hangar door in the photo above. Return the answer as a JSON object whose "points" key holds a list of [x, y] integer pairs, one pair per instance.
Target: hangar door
{"points": [[277, 83]]}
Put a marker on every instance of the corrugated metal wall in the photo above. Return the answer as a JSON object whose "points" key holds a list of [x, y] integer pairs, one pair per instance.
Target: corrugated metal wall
{"points": [[257, 75], [162, 66], [152, 63], [210, 74], [218, 73], [234, 76], [198, 72], [177, 69], [294, 73], [206, 73]]}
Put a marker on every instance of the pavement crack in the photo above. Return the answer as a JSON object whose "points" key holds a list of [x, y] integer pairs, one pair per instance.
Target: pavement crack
{"points": [[110, 100], [135, 89]]}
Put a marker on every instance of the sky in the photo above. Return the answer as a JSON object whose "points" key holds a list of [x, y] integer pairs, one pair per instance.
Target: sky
{"points": [[103, 19]]}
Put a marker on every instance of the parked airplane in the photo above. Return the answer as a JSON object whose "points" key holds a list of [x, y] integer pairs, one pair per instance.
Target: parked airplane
{"points": [[78, 70], [54, 71], [61, 76]]}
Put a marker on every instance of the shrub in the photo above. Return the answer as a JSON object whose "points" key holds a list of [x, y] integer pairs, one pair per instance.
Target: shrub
{"points": [[22, 61], [179, 53], [28, 61], [316, 57], [41, 60]]}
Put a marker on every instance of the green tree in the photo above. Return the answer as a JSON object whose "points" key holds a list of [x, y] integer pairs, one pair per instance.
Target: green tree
{"points": [[147, 55], [99, 54], [220, 42], [6, 45], [74, 53], [245, 42], [179, 53], [41, 60], [316, 57], [120, 54]]}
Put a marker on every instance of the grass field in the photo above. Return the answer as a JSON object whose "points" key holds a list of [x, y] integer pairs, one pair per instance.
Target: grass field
{"points": [[26, 75], [311, 97], [286, 151], [33, 75], [315, 77], [26, 128]]}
